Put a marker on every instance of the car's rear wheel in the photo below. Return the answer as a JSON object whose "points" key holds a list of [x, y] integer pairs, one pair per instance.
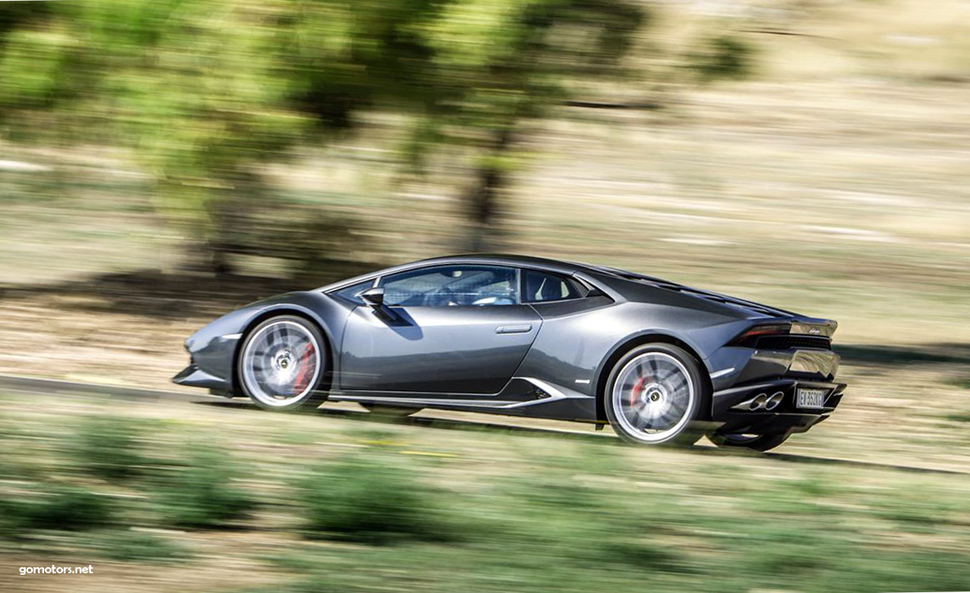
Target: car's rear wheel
{"points": [[755, 442], [282, 363], [653, 395]]}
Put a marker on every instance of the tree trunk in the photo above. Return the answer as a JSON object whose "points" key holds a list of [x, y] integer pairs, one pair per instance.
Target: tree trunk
{"points": [[206, 257], [490, 179], [219, 262]]}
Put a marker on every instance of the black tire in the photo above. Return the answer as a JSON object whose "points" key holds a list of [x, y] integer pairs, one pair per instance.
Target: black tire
{"points": [[761, 442], [662, 394], [310, 396]]}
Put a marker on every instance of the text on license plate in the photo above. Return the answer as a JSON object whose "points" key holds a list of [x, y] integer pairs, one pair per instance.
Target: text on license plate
{"points": [[811, 398]]}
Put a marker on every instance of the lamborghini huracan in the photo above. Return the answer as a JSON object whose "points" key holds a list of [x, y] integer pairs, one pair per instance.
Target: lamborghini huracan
{"points": [[658, 361]]}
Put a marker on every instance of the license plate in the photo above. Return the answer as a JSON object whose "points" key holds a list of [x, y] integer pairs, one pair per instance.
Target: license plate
{"points": [[812, 399]]}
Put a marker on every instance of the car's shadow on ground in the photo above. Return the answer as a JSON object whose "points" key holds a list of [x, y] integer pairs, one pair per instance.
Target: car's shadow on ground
{"points": [[604, 438]]}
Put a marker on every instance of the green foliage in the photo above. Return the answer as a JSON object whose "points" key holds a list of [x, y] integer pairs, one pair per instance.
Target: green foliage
{"points": [[559, 517], [723, 57], [32, 66], [108, 448], [139, 546], [201, 493], [369, 499], [626, 532], [61, 507], [506, 62]]}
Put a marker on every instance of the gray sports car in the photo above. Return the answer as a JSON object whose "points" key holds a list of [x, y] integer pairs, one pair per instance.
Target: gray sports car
{"points": [[658, 361]]}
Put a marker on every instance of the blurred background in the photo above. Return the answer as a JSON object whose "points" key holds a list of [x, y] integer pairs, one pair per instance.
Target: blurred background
{"points": [[164, 162]]}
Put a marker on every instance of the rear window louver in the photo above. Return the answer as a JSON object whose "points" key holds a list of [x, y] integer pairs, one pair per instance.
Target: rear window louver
{"points": [[711, 296]]}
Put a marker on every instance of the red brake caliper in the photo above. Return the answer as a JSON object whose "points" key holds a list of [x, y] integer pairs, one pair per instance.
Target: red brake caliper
{"points": [[635, 392], [303, 375]]}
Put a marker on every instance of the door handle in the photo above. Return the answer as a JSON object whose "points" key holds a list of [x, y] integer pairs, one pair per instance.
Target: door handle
{"points": [[513, 329]]}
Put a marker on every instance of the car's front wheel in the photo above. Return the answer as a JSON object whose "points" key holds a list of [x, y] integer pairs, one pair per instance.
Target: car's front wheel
{"points": [[282, 362], [653, 395]]}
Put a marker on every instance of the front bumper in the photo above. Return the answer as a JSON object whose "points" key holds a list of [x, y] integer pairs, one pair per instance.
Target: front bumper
{"points": [[211, 363], [193, 376], [784, 418]]}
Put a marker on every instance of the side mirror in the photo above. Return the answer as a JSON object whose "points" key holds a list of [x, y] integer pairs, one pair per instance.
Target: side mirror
{"points": [[373, 297]]}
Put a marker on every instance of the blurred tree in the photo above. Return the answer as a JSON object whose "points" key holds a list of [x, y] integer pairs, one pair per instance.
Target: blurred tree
{"points": [[500, 64], [208, 92], [182, 82]]}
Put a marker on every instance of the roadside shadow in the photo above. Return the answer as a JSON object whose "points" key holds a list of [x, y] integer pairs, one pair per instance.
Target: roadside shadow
{"points": [[809, 459], [156, 294], [877, 355], [604, 438], [861, 464], [425, 421]]}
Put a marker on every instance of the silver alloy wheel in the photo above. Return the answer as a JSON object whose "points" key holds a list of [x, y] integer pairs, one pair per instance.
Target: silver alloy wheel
{"points": [[281, 363], [653, 397]]}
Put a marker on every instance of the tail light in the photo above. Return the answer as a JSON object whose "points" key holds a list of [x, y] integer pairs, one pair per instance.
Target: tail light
{"points": [[757, 331]]}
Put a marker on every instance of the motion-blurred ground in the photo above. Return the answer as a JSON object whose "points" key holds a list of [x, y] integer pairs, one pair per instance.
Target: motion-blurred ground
{"points": [[234, 499]]}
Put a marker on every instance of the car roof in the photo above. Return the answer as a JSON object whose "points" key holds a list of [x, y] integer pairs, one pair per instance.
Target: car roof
{"points": [[526, 261], [506, 259]]}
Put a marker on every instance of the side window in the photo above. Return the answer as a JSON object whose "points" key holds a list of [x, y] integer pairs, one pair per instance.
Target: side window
{"points": [[451, 286], [544, 286], [350, 293]]}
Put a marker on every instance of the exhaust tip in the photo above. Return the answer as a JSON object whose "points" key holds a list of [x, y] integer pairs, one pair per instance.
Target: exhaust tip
{"points": [[774, 401], [758, 402]]}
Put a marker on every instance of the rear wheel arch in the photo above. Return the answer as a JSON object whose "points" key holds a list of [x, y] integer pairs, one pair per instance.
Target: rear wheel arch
{"points": [[652, 338], [327, 378]]}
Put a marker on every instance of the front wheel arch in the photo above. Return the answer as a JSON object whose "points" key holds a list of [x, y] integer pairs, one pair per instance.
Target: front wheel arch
{"points": [[603, 374]]}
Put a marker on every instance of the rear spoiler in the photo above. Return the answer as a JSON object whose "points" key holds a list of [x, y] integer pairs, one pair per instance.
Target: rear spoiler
{"points": [[814, 327]]}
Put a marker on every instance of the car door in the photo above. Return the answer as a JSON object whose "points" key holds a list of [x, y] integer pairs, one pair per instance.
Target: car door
{"points": [[442, 330]]}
